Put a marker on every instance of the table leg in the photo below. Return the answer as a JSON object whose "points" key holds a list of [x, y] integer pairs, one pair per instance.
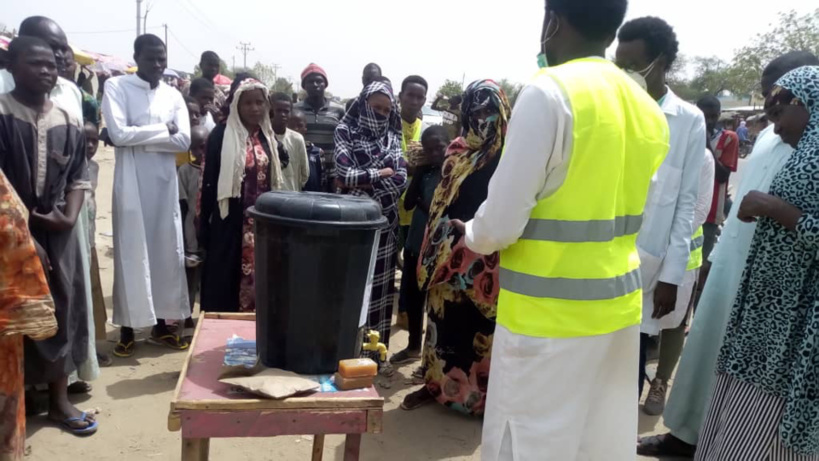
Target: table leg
{"points": [[318, 447], [352, 447], [195, 449]]}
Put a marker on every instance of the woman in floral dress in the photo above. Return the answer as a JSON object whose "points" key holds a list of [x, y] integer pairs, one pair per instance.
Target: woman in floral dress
{"points": [[242, 162], [462, 285]]}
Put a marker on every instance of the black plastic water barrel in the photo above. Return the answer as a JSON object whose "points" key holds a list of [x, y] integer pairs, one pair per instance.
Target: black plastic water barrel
{"points": [[313, 258]]}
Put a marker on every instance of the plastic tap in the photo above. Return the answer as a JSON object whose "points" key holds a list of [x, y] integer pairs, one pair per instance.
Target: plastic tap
{"points": [[372, 344]]}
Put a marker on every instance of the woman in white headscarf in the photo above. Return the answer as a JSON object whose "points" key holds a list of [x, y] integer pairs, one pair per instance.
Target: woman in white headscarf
{"points": [[242, 162]]}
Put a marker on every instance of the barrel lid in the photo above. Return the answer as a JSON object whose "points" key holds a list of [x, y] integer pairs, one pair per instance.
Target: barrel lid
{"points": [[307, 208]]}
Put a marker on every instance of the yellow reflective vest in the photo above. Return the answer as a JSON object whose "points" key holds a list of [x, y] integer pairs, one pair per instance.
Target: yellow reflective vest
{"points": [[575, 271], [695, 260]]}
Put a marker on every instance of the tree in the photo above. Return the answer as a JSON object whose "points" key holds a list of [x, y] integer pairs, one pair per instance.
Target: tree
{"points": [[265, 74], [792, 33], [511, 89], [713, 75], [282, 85], [451, 88]]}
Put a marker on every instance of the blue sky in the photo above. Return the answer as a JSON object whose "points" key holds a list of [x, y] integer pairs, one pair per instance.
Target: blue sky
{"points": [[438, 39]]}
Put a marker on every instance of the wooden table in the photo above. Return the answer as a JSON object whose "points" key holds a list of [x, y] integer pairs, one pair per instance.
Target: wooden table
{"points": [[203, 408]]}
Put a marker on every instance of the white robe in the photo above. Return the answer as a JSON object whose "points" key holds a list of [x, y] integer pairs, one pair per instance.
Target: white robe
{"points": [[149, 268]]}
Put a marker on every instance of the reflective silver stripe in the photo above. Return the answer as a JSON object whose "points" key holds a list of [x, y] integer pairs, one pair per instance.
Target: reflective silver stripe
{"points": [[604, 230], [575, 289], [697, 242]]}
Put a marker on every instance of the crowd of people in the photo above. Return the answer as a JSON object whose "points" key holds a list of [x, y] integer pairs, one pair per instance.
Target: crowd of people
{"points": [[549, 246]]}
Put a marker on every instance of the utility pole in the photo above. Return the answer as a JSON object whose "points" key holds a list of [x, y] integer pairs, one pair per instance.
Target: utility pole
{"points": [[166, 38], [276, 68], [145, 19], [245, 48], [139, 17]]}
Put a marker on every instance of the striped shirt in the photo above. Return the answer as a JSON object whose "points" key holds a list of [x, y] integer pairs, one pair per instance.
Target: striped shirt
{"points": [[321, 127]]}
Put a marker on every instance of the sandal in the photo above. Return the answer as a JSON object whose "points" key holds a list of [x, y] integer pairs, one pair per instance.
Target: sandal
{"points": [[79, 387], [405, 356], [665, 445], [80, 431], [386, 370], [170, 341], [417, 399], [124, 350]]}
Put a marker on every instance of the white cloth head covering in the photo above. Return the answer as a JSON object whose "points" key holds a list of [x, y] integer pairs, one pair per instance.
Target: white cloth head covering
{"points": [[234, 148]]}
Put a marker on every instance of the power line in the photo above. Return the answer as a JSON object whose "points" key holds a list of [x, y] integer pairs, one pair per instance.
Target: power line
{"points": [[245, 48], [118, 31], [170, 31]]}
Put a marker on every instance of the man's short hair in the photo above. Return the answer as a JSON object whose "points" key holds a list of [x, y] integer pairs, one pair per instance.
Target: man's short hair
{"points": [[209, 55], [30, 25], [594, 19], [147, 41], [414, 79], [788, 62], [23, 44], [281, 97], [435, 130], [200, 84], [658, 36], [709, 101]]}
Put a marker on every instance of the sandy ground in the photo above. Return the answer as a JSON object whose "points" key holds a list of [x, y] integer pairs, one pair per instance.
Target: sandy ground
{"points": [[133, 398]]}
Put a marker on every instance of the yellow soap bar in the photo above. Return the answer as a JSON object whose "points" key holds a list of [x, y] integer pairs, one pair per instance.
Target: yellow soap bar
{"points": [[357, 368], [347, 384]]}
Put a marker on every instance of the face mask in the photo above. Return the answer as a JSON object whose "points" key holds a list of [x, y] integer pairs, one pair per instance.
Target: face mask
{"points": [[542, 60], [639, 76]]}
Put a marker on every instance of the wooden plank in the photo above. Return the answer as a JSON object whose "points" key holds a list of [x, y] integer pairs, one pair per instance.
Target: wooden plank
{"points": [[182, 374], [352, 447], [375, 421], [195, 449], [207, 424], [307, 403], [230, 316], [318, 447]]}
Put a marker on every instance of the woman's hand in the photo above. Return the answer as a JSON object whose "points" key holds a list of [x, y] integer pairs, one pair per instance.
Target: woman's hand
{"points": [[386, 173], [754, 205]]}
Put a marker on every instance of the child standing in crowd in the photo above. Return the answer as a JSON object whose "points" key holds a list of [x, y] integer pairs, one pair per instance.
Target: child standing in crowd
{"points": [[189, 175], [419, 197], [195, 119], [297, 171], [92, 141], [298, 123], [54, 195]]}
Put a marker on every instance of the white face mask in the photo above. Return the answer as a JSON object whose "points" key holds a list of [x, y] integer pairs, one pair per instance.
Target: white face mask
{"points": [[639, 76], [542, 60]]}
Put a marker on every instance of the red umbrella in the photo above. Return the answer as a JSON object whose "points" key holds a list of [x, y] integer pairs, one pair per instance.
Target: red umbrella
{"points": [[222, 80]]}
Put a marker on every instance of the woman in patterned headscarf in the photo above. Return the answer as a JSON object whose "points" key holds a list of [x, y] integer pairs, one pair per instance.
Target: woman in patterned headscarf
{"points": [[462, 285], [241, 163], [369, 164], [765, 404]]}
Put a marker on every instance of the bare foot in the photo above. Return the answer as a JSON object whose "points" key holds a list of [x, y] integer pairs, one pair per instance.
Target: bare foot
{"points": [[417, 399]]}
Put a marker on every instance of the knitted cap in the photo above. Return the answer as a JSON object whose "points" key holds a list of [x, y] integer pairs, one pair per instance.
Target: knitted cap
{"points": [[314, 68]]}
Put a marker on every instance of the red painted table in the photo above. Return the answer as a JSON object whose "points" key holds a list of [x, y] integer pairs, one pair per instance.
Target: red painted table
{"points": [[203, 408]]}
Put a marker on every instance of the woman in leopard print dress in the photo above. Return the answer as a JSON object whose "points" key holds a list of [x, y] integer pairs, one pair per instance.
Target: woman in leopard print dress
{"points": [[766, 399]]}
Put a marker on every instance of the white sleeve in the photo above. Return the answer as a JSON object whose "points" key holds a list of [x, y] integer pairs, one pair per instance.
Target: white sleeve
{"points": [[116, 120], [181, 141], [534, 133], [706, 191], [682, 230]]}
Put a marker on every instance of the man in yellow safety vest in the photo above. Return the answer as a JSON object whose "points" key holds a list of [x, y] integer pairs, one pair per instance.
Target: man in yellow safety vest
{"points": [[565, 206]]}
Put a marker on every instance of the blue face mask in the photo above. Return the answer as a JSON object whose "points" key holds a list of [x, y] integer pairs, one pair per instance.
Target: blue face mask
{"points": [[542, 61]]}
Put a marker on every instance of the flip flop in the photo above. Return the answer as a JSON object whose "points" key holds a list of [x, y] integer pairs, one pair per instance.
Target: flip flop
{"points": [[170, 341], [416, 402], [405, 356], [82, 432], [124, 350]]}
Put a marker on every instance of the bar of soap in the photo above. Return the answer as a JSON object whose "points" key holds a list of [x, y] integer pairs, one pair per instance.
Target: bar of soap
{"points": [[347, 384], [357, 368]]}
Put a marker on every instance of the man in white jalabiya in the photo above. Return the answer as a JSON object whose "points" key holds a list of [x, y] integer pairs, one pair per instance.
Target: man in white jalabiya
{"points": [[147, 121], [648, 47], [694, 382]]}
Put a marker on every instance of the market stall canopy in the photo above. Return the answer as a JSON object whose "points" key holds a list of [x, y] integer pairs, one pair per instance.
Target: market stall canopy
{"points": [[221, 80]]}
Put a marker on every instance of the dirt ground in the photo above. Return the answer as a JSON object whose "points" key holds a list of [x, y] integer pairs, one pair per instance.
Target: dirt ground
{"points": [[133, 395]]}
